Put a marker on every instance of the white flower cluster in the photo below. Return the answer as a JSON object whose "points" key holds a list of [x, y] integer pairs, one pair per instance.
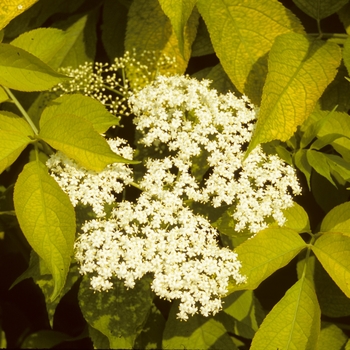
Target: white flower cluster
{"points": [[199, 127], [91, 187], [197, 140], [162, 237]]}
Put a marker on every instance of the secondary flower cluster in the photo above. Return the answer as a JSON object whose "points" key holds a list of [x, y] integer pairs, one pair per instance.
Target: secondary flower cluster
{"points": [[195, 139], [111, 83]]}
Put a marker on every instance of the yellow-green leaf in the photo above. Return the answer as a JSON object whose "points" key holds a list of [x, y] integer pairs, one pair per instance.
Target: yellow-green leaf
{"points": [[332, 249], [15, 135], [300, 69], [44, 43], [47, 219], [331, 337], [3, 95], [242, 33], [297, 218], [20, 70], [198, 332], [270, 250], [338, 219], [293, 323], [10, 9], [76, 138], [81, 106], [319, 9], [150, 29], [178, 12]]}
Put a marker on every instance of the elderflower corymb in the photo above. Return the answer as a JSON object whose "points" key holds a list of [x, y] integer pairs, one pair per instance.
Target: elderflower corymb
{"points": [[200, 128], [196, 139]]}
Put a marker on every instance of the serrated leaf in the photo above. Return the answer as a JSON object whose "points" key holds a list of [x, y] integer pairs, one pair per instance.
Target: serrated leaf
{"points": [[198, 332], [337, 220], [319, 9], [150, 29], [47, 219], [297, 218], [20, 70], [331, 337], [300, 69], [76, 138], [242, 34], [268, 251], [178, 12], [81, 106], [332, 249], [15, 135], [44, 43], [10, 9], [293, 323], [118, 314]]}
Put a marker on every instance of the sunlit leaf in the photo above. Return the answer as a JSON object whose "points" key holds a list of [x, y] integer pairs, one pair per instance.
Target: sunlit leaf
{"points": [[47, 219], [332, 249], [242, 34], [178, 12], [15, 135], [319, 9], [20, 70], [44, 43], [300, 69], [293, 323], [198, 332], [76, 137], [270, 250], [297, 218], [337, 220], [81, 106], [10, 9]]}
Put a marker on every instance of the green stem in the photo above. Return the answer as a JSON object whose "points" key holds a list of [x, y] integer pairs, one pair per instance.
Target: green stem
{"points": [[22, 110], [319, 29], [134, 184]]}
